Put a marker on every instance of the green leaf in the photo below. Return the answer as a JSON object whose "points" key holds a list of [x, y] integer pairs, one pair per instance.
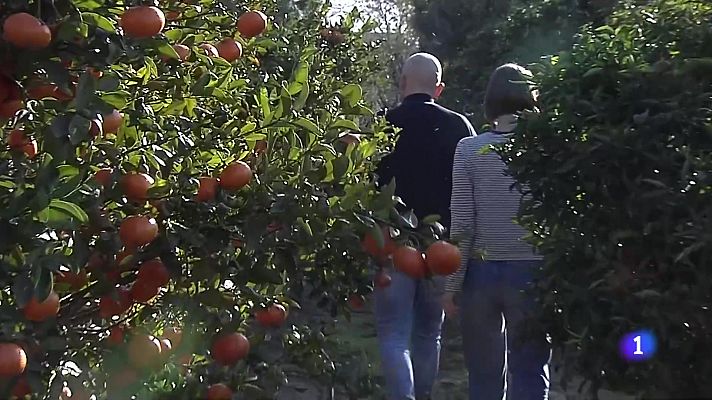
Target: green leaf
{"points": [[70, 209], [117, 99], [344, 124], [99, 21], [352, 93], [305, 225], [308, 125]]}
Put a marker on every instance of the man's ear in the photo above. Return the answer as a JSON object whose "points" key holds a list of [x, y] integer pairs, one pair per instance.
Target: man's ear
{"points": [[439, 90]]}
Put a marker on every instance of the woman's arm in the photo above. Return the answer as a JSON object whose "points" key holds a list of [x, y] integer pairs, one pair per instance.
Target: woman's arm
{"points": [[462, 208]]}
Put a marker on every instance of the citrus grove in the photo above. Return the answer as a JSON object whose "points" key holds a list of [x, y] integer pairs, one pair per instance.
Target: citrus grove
{"points": [[179, 182]]}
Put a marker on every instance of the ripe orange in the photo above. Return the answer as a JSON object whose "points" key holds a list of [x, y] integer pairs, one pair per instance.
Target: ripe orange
{"points": [[230, 348], [208, 189], [382, 279], [350, 138], [143, 351], [135, 186], [209, 50], [113, 121], [442, 258], [370, 245], [235, 176], [229, 49], [137, 231], [273, 316], [219, 391], [174, 334], [39, 311], [251, 24], [182, 50], [21, 389], [17, 139], [13, 360], [410, 261], [27, 32], [142, 21], [95, 72], [9, 108], [172, 15], [153, 272], [30, 149], [75, 280], [108, 307], [143, 292], [116, 335], [103, 176], [356, 302]]}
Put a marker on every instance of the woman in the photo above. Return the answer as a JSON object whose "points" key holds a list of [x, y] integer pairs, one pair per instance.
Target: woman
{"points": [[503, 360]]}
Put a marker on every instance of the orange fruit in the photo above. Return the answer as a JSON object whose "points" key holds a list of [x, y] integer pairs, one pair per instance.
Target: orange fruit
{"points": [[273, 316], [442, 258], [219, 391], [371, 247], [166, 347], [209, 50], [116, 335], [9, 108], [182, 50], [103, 176], [135, 186], [142, 21], [208, 189], [235, 176], [122, 379], [251, 24], [230, 348], [143, 351], [172, 15], [229, 49], [356, 302], [75, 280], [13, 360], [39, 311], [112, 122], [27, 32], [143, 292], [174, 334], [350, 138], [137, 231], [21, 389], [30, 149], [410, 261], [154, 272], [17, 139], [108, 307]]}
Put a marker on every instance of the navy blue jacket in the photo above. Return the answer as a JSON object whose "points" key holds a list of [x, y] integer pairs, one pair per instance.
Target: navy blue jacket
{"points": [[421, 162]]}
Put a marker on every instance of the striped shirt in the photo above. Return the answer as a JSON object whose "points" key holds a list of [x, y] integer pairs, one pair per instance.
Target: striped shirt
{"points": [[483, 207]]}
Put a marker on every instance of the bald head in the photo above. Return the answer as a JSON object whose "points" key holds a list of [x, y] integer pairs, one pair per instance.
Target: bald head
{"points": [[422, 73]]}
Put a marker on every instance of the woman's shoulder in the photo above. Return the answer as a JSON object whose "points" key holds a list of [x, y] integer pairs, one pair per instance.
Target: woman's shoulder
{"points": [[474, 142]]}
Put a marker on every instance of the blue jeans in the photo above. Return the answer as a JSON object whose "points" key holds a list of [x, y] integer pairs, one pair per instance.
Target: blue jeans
{"points": [[504, 360], [409, 321]]}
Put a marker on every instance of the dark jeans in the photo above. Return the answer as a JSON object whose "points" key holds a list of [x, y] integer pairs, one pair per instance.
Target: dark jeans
{"points": [[504, 361]]}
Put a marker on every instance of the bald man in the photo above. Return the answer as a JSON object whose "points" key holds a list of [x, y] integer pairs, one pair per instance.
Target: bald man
{"points": [[408, 313]]}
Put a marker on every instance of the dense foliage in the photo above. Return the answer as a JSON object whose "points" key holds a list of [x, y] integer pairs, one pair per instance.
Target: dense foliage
{"points": [[474, 37], [153, 186], [619, 167]]}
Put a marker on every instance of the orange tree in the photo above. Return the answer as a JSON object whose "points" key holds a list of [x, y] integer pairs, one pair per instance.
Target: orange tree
{"points": [[177, 181]]}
